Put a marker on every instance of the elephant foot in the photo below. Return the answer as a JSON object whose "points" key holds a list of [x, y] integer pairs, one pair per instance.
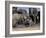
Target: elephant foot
{"points": [[14, 26]]}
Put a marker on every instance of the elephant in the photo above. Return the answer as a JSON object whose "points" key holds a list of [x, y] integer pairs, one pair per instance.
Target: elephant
{"points": [[17, 17]]}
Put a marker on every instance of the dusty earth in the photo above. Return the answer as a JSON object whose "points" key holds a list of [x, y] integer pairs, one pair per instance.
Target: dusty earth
{"points": [[23, 28]]}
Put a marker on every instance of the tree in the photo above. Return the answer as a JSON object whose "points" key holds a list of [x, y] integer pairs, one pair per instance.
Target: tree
{"points": [[34, 14]]}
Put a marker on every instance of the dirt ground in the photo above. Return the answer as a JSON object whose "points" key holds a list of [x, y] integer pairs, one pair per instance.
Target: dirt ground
{"points": [[23, 28]]}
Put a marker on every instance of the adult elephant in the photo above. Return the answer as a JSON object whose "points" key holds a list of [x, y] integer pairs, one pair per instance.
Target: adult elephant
{"points": [[17, 17]]}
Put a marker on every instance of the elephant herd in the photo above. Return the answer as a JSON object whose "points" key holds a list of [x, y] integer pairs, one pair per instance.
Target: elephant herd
{"points": [[20, 19]]}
